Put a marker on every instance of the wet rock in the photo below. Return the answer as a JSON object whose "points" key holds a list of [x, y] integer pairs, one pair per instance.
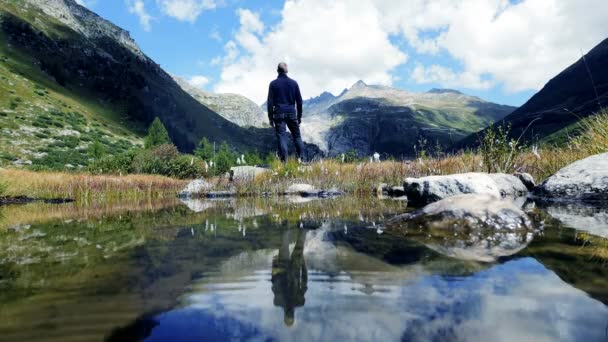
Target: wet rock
{"points": [[195, 188], [583, 180], [198, 205], [478, 227], [396, 191], [381, 189], [473, 211], [425, 190], [246, 173], [592, 219], [302, 190], [526, 179], [221, 194]]}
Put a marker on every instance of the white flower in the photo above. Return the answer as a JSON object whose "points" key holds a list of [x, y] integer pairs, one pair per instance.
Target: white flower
{"points": [[376, 156], [535, 151]]}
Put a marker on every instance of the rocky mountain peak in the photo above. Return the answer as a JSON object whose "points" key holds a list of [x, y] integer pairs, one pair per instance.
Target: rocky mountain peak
{"points": [[443, 91], [359, 84], [84, 21]]}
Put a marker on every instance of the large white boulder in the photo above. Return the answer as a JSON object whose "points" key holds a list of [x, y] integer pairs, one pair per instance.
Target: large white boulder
{"points": [[195, 188], [246, 173], [425, 190], [583, 180]]}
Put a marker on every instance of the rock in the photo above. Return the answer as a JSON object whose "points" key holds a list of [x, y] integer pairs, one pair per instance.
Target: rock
{"points": [[302, 190], [478, 227], [396, 191], [381, 189], [198, 205], [583, 180], [425, 190], [592, 219], [20, 162], [221, 194], [473, 211], [195, 188], [246, 173], [526, 179]]}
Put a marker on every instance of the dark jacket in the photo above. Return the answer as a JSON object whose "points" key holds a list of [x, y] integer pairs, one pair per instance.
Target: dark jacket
{"points": [[284, 97]]}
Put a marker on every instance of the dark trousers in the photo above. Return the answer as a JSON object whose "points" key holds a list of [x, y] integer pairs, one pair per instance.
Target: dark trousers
{"points": [[281, 122]]}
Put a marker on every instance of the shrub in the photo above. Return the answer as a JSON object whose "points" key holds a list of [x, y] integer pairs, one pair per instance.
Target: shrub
{"points": [[224, 159], [594, 136], [96, 150], [497, 150], [253, 158], [117, 164], [204, 150], [185, 166]]}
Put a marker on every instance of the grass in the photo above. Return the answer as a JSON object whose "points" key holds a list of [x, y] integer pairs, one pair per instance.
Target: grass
{"points": [[357, 178], [85, 187]]}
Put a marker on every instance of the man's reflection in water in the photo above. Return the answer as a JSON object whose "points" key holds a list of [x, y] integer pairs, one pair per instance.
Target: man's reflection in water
{"points": [[289, 274]]}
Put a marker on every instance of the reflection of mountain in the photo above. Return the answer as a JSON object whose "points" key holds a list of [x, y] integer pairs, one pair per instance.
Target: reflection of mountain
{"points": [[514, 301], [369, 118]]}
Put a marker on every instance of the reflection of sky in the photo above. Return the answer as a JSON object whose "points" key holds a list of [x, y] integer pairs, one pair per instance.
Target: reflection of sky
{"points": [[517, 301]]}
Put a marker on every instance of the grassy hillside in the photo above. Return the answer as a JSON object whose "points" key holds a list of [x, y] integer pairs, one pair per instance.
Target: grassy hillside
{"points": [[49, 125], [68, 85]]}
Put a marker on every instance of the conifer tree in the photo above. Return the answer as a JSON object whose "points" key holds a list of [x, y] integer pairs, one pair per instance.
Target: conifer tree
{"points": [[157, 134]]}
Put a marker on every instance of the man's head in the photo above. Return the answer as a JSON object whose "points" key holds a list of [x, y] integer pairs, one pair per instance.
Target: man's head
{"points": [[282, 68]]}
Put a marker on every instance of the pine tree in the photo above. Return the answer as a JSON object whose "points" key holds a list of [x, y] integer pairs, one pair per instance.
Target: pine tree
{"points": [[224, 159], [204, 150], [157, 134]]}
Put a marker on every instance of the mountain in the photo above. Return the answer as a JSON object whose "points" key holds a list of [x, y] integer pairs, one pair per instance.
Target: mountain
{"points": [[232, 107], [70, 77], [577, 92], [373, 118]]}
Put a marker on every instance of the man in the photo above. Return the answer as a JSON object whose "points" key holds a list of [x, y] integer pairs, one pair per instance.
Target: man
{"points": [[285, 110]]}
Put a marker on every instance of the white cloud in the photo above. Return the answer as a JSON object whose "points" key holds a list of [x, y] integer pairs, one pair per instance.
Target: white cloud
{"points": [[328, 45], [215, 34], [138, 8], [449, 78], [185, 10], [519, 45], [86, 3], [198, 81]]}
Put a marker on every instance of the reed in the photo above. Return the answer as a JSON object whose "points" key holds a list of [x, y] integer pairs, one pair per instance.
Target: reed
{"points": [[85, 187]]}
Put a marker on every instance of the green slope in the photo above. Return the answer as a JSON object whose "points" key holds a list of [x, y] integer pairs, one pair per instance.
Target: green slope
{"points": [[64, 87]]}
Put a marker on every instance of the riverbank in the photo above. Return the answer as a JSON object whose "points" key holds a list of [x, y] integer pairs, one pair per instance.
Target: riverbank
{"points": [[357, 178], [85, 187]]}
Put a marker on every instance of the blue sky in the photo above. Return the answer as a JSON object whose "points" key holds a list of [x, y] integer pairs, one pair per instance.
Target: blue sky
{"points": [[499, 50]]}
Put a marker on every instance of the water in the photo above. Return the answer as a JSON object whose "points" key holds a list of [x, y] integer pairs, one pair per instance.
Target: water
{"points": [[295, 271]]}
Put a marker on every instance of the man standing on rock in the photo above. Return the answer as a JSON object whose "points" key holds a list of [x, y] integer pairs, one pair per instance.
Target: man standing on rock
{"points": [[285, 111]]}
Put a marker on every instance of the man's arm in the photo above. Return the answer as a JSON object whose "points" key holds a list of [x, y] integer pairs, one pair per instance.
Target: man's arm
{"points": [[270, 106], [299, 103]]}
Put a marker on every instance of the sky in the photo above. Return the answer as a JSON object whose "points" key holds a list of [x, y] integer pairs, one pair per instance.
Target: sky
{"points": [[503, 51]]}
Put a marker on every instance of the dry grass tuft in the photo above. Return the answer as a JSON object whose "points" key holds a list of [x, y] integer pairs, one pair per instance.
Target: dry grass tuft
{"points": [[87, 187]]}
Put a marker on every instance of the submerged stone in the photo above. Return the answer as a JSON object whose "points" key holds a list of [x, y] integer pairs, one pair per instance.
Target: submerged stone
{"points": [[472, 211], [469, 227]]}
